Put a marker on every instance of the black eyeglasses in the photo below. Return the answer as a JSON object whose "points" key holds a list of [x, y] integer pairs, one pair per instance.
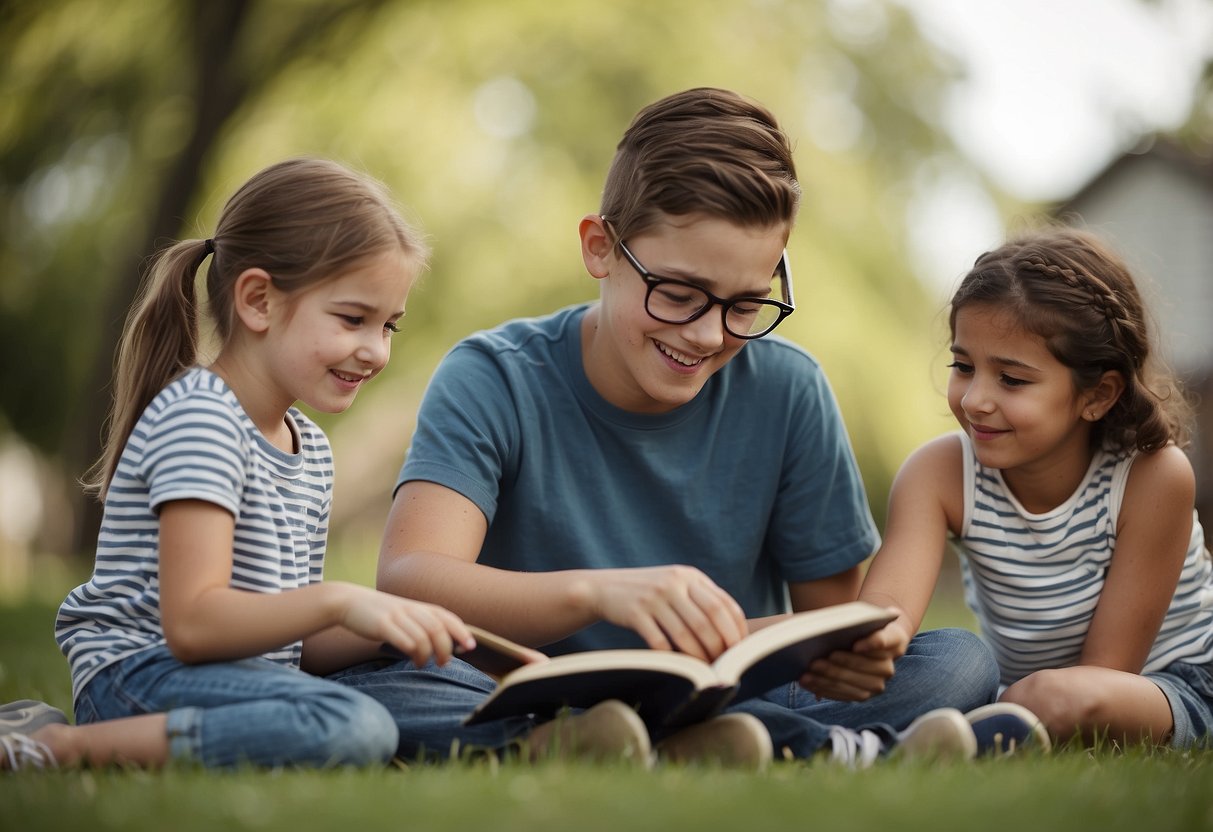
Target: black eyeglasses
{"points": [[678, 302]]}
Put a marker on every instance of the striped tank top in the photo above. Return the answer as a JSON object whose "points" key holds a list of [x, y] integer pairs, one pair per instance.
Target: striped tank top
{"points": [[1033, 580]]}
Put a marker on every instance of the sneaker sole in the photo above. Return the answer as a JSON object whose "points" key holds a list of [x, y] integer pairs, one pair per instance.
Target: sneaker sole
{"points": [[940, 734]]}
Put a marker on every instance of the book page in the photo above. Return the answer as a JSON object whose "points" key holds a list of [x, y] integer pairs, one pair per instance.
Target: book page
{"points": [[782, 652]]}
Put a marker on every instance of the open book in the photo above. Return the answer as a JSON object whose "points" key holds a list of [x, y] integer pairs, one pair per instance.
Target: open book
{"points": [[670, 690]]}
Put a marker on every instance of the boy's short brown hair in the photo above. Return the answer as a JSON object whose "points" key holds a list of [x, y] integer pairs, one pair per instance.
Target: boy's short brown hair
{"points": [[705, 150]]}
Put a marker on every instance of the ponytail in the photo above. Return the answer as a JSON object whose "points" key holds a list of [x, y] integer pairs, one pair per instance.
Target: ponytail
{"points": [[159, 342]]}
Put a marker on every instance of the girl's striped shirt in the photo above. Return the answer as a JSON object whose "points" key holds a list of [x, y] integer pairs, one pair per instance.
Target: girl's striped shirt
{"points": [[1034, 580], [195, 442]]}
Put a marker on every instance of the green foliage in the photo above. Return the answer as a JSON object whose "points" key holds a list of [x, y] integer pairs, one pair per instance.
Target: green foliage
{"points": [[494, 124]]}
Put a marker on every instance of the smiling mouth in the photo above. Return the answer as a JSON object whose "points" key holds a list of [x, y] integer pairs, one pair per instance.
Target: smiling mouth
{"points": [[349, 377], [684, 360]]}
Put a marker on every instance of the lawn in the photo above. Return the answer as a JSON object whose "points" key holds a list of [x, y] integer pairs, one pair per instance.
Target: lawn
{"points": [[1067, 790]]}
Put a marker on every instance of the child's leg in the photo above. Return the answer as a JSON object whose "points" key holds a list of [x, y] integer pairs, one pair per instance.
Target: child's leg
{"points": [[429, 705], [251, 711], [1095, 703], [138, 741]]}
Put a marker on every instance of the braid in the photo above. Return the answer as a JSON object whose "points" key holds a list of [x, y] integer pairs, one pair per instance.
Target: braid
{"points": [[1097, 293]]}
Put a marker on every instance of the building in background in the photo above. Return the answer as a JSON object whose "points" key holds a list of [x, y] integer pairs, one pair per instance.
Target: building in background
{"points": [[1155, 205]]}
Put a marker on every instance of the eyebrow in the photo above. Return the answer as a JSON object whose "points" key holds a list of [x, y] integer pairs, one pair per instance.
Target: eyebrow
{"points": [[365, 307], [997, 359], [711, 285]]}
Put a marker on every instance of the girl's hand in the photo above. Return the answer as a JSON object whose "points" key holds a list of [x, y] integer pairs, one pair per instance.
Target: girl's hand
{"points": [[670, 607], [415, 628], [862, 672]]}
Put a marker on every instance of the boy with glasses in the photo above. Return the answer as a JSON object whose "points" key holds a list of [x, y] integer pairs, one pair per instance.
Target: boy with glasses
{"points": [[657, 469]]}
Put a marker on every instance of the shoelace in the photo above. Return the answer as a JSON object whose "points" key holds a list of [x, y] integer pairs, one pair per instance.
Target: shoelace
{"points": [[20, 752], [857, 749]]}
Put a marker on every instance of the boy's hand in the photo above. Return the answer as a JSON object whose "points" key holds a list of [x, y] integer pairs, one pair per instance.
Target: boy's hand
{"points": [[863, 671], [670, 607], [415, 628]]}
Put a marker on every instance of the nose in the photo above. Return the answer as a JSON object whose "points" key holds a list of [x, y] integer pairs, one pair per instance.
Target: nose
{"points": [[706, 332], [374, 351], [976, 397]]}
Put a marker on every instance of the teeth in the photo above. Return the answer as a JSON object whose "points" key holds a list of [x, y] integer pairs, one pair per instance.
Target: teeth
{"points": [[677, 356], [347, 376]]}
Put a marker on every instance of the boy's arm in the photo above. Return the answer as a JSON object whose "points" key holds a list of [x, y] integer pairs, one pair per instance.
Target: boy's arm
{"points": [[1152, 536], [813, 595], [433, 540]]}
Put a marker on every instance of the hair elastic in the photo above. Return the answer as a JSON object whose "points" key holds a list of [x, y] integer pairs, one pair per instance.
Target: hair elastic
{"points": [[208, 246]]}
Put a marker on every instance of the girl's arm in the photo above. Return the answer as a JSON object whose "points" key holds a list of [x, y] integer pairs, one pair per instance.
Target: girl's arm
{"points": [[1152, 536], [924, 504], [205, 619]]}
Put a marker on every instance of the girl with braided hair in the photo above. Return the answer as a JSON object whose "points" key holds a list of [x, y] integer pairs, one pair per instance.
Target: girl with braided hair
{"points": [[1068, 498]]}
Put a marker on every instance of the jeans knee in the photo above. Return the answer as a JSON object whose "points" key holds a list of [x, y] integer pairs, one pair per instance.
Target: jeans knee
{"points": [[962, 666], [351, 729]]}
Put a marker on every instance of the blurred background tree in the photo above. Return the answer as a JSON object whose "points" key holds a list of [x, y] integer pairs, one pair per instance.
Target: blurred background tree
{"points": [[126, 123]]}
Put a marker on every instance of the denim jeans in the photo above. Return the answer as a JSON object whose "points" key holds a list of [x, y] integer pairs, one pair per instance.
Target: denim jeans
{"points": [[948, 668], [1189, 691], [941, 668], [429, 704], [252, 711]]}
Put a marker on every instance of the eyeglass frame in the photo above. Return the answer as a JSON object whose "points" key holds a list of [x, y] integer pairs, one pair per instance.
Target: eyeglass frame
{"points": [[786, 307]]}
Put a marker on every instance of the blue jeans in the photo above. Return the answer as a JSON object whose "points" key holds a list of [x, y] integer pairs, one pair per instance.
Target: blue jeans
{"points": [[1189, 691], [430, 703], [942, 668], [252, 711], [948, 668]]}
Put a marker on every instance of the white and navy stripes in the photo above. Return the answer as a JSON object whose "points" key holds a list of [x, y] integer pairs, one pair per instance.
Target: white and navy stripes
{"points": [[1034, 580], [195, 442]]}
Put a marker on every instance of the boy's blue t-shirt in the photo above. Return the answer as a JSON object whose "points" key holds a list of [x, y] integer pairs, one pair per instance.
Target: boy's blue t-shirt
{"points": [[754, 481]]}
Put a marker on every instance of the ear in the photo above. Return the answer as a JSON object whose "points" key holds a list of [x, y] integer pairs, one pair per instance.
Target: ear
{"points": [[251, 299], [1099, 399], [595, 245]]}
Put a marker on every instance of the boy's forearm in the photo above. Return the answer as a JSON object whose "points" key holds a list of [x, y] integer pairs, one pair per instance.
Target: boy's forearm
{"points": [[532, 608]]}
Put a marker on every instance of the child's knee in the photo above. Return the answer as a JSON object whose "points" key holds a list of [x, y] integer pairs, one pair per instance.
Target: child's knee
{"points": [[962, 668], [355, 730], [1064, 706]]}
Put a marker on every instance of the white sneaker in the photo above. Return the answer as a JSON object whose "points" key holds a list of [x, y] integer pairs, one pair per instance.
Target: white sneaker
{"points": [[18, 751], [938, 734], [854, 749]]}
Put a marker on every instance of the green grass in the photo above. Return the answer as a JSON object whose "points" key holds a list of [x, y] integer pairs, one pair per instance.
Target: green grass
{"points": [[1067, 790]]}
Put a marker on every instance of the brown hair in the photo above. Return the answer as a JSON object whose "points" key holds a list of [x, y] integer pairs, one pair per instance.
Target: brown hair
{"points": [[703, 150], [1066, 286], [302, 220]]}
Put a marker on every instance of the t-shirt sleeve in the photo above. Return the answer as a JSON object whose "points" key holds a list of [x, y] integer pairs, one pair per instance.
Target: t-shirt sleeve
{"points": [[467, 436], [822, 523], [195, 449]]}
